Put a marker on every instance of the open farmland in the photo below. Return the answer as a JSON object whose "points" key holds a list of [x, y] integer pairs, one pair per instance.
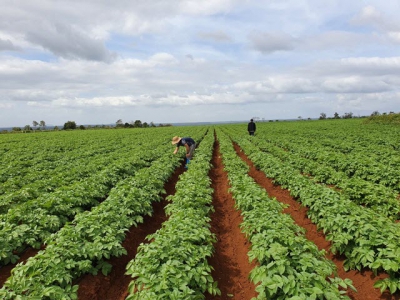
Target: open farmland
{"points": [[307, 209]]}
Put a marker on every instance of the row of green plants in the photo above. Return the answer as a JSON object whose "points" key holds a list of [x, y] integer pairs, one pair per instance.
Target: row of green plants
{"points": [[85, 244], [49, 161], [173, 264], [64, 179], [30, 224], [375, 196], [366, 238], [391, 118], [52, 167], [288, 265], [369, 152], [366, 166], [42, 157]]}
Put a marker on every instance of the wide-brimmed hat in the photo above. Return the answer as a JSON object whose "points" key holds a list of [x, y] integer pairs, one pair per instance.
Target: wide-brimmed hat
{"points": [[175, 140]]}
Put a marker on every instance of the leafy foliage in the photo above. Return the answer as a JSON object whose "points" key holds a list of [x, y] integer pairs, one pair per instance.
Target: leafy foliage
{"points": [[84, 244], [174, 265], [288, 265], [365, 234]]}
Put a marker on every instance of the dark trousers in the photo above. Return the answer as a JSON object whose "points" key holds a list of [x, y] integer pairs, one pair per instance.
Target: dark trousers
{"points": [[191, 149]]}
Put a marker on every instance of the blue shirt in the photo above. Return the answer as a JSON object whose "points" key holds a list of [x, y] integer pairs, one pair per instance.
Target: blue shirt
{"points": [[186, 141]]}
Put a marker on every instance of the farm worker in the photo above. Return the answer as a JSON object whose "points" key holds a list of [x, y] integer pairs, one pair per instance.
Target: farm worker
{"points": [[189, 144], [251, 127]]}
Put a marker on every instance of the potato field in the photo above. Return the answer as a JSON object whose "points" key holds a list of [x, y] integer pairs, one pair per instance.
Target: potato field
{"points": [[301, 210]]}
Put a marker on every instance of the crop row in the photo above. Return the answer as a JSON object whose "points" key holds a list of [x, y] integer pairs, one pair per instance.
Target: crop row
{"points": [[362, 151], [174, 264], [375, 196], [363, 166], [63, 180], [30, 223], [43, 171], [84, 245], [44, 157], [288, 265], [367, 239]]}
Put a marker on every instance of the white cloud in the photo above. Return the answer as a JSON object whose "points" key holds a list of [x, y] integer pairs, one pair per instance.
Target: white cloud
{"points": [[182, 60], [371, 16], [217, 36], [384, 23], [195, 7], [163, 58], [335, 39], [7, 45], [394, 36], [68, 42], [354, 84], [267, 42]]}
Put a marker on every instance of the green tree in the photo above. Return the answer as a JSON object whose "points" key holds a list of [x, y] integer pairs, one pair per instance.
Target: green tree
{"points": [[42, 124], [375, 113], [35, 124], [336, 115], [137, 124], [348, 115], [119, 123], [322, 116], [69, 125]]}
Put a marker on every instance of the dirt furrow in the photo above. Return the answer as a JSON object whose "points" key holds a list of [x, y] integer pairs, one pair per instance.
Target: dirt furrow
{"points": [[5, 271], [230, 261], [363, 281], [114, 286]]}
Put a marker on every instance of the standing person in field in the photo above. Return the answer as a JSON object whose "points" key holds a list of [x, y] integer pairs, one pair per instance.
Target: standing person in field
{"points": [[251, 127], [189, 144]]}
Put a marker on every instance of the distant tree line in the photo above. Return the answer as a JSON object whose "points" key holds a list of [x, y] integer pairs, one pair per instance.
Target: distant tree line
{"points": [[71, 125], [384, 118], [138, 124], [376, 116], [349, 115]]}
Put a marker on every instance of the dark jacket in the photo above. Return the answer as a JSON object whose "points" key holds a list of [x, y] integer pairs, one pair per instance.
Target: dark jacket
{"points": [[251, 127], [186, 141]]}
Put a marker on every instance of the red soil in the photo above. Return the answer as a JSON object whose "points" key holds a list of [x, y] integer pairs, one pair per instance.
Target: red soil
{"points": [[230, 261], [5, 271], [114, 286], [363, 281]]}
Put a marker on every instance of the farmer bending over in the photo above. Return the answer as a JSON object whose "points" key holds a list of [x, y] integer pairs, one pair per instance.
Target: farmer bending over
{"points": [[189, 144]]}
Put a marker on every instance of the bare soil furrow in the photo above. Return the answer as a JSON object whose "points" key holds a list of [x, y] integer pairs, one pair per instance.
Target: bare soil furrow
{"points": [[363, 281], [114, 286], [230, 261], [5, 271]]}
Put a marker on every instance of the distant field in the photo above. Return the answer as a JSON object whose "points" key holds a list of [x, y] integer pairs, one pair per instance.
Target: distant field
{"points": [[298, 210]]}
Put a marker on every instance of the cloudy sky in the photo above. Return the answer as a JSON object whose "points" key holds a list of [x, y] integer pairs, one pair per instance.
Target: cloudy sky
{"points": [[168, 61]]}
